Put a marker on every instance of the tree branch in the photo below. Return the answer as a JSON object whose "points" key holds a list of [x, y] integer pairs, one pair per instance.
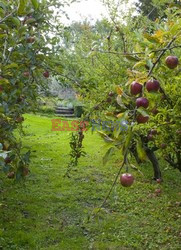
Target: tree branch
{"points": [[137, 53], [161, 54], [2, 20]]}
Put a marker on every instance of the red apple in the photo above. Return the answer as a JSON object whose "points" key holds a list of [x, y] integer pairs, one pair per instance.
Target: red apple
{"points": [[11, 175], [126, 179], [171, 62], [46, 74], [142, 102], [152, 85], [136, 88], [30, 39], [26, 74], [142, 119]]}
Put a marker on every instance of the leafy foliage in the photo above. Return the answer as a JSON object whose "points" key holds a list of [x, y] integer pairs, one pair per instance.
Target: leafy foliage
{"points": [[107, 57], [25, 41]]}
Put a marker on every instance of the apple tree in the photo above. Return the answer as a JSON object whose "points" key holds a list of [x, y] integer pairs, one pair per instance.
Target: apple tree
{"points": [[28, 44], [133, 74]]}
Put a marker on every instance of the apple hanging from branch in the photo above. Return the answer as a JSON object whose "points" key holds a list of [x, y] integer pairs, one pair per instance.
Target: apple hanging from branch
{"points": [[152, 85], [142, 119], [136, 88], [142, 102], [171, 62], [46, 74], [126, 179]]}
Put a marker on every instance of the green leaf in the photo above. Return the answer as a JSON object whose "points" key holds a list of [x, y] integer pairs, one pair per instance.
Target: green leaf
{"points": [[13, 20], [22, 30], [149, 63], [141, 152], [150, 38], [120, 102], [105, 137], [108, 155], [139, 64], [3, 26], [132, 58], [10, 66], [3, 6], [142, 112], [30, 20], [35, 4], [21, 7], [128, 139]]}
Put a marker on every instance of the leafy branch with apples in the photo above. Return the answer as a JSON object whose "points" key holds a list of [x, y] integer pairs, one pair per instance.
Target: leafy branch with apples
{"points": [[27, 29], [148, 95]]}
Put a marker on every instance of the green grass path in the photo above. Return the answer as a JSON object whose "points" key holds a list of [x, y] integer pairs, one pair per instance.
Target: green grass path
{"points": [[48, 211]]}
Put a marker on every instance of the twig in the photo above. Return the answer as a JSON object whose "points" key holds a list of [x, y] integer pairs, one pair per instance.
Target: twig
{"points": [[137, 53], [2, 20]]}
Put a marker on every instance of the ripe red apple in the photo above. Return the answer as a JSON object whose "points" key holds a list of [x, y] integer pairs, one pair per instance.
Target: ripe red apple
{"points": [[136, 88], [171, 62], [142, 102], [46, 74], [26, 74], [142, 119], [126, 179], [30, 39], [152, 85], [11, 175]]}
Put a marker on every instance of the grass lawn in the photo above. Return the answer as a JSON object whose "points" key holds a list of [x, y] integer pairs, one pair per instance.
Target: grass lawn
{"points": [[48, 211]]}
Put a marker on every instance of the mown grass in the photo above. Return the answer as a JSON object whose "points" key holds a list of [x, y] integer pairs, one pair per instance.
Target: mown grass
{"points": [[48, 211]]}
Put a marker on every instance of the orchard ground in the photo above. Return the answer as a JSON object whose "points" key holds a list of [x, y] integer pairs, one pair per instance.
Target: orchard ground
{"points": [[48, 211]]}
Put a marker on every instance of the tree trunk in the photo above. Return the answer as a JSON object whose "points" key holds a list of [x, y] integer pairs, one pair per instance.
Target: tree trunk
{"points": [[152, 157]]}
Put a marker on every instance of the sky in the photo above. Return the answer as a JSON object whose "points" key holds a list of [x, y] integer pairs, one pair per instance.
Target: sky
{"points": [[91, 9]]}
